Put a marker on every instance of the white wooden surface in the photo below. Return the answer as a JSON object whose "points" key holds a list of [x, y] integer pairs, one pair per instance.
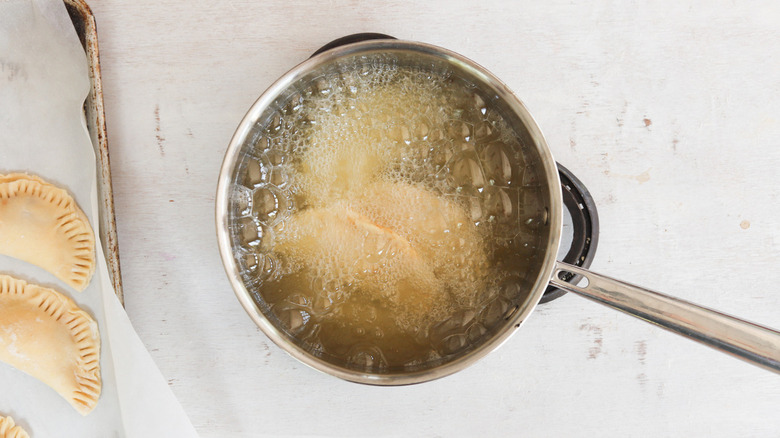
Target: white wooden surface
{"points": [[667, 110]]}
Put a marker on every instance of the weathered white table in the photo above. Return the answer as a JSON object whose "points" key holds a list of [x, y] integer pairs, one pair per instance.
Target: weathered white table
{"points": [[668, 111]]}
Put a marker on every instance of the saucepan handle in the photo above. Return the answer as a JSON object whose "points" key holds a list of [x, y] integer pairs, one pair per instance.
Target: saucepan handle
{"points": [[745, 340]]}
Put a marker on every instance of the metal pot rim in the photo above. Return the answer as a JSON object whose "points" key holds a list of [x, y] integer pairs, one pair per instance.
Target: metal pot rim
{"points": [[554, 216]]}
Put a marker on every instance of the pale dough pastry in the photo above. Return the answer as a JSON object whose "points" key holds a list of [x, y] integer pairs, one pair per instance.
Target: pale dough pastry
{"points": [[9, 430], [44, 334], [41, 224], [348, 246], [401, 243]]}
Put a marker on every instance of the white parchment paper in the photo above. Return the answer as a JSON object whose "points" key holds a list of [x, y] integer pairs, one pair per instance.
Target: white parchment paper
{"points": [[43, 85]]}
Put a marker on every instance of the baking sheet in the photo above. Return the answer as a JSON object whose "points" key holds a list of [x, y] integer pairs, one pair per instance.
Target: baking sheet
{"points": [[86, 29], [44, 81]]}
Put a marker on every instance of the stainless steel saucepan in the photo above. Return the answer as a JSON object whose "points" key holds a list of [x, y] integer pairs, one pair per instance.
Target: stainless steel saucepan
{"points": [[751, 342]]}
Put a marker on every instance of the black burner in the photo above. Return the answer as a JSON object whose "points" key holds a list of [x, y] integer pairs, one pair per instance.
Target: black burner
{"points": [[354, 38], [585, 224]]}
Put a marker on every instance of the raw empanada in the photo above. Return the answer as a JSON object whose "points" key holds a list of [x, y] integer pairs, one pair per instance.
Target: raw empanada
{"points": [[9, 430], [46, 335], [41, 224]]}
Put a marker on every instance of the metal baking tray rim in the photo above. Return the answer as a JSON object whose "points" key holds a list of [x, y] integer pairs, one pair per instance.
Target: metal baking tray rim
{"points": [[84, 23]]}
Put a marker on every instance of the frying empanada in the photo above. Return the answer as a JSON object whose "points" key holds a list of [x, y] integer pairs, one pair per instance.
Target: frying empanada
{"points": [[9, 430], [46, 335], [41, 224], [396, 242], [347, 245]]}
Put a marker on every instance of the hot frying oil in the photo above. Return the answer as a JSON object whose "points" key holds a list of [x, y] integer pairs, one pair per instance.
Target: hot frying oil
{"points": [[380, 215]]}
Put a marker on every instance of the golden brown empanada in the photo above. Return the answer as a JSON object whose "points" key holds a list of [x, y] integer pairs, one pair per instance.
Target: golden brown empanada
{"points": [[46, 335], [41, 224], [9, 430]]}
